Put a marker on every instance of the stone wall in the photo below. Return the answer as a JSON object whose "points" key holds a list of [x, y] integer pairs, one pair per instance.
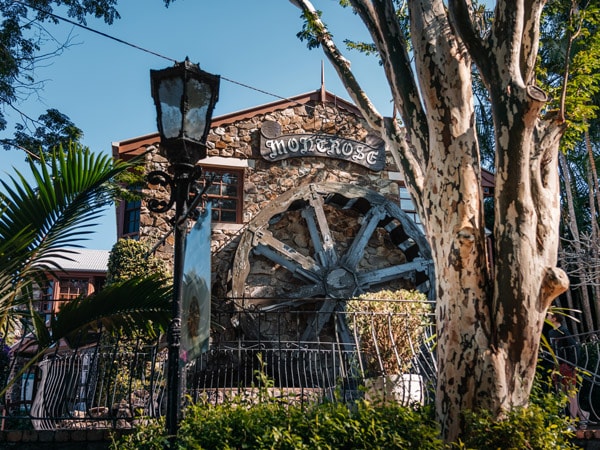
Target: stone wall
{"points": [[264, 181]]}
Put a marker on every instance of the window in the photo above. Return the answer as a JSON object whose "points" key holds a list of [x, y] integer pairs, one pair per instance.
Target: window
{"points": [[225, 193], [46, 303], [407, 205], [131, 220], [406, 202], [71, 288]]}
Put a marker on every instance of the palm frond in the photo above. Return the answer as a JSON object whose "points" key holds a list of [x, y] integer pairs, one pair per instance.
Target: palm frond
{"points": [[38, 219]]}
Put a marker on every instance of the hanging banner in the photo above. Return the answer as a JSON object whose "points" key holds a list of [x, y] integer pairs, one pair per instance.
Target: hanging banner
{"points": [[195, 308]]}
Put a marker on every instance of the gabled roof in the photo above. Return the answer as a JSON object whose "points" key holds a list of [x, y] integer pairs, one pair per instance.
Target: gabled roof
{"points": [[137, 145], [321, 96], [82, 260]]}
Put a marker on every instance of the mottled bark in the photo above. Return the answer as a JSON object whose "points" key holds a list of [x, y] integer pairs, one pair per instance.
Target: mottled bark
{"points": [[489, 320]]}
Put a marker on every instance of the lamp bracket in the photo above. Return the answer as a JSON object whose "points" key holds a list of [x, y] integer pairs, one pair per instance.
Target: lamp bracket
{"points": [[183, 183]]}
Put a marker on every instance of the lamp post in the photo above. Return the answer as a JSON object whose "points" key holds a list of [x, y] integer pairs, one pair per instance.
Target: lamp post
{"points": [[185, 97]]}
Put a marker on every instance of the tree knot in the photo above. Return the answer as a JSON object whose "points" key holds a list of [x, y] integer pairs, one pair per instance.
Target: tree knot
{"points": [[536, 93], [554, 283], [466, 236]]}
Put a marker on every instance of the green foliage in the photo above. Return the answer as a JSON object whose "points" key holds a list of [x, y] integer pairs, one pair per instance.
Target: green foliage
{"points": [[140, 304], [570, 57], [39, 220], [276, 425], [389, 324], [23, 30], [130, 258], [51, 130], [25, 41], [133, 180], [311, 30], [4, 362], [150, 436], [273, 423], [540, 426], [368, 48]]}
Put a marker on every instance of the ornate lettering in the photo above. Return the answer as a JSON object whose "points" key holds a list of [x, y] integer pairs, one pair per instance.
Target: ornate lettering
{"points": [[335, 146], [371, 157], [347, 149], [293, 145], [359, 155], [275, 147], [321, 145], [306, 144]]}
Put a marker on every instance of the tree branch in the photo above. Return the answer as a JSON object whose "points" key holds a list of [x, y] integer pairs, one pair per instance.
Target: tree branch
{"points": [[391, 132], [530, 41], [381, 19], [461, 15]]}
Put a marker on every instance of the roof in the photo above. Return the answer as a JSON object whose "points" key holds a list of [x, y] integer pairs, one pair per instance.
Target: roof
{"points": [[137, 145], [488, 182], [82, 260]]}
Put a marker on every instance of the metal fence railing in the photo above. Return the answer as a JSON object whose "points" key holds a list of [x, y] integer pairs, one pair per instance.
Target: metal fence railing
{"points": [[380, 350], [113, 383], [584, 358]]}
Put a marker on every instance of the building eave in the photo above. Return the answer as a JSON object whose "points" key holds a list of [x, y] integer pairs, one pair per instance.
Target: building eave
{"points": [[136, 146]]}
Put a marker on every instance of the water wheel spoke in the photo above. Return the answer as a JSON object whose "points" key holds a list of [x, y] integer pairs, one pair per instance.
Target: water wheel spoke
{"points": [[355, 253], [300, 297], [292, 261], [405, 271], [319, 231], [318, 320], [308, 292]]}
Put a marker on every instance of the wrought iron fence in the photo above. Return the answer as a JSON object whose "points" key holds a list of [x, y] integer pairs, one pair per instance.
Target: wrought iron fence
{"points": [[253, 352], [584, 357], [383, 353]]}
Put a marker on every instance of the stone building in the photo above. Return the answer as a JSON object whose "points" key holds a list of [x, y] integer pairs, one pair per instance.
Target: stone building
{"points": [[305, 205]]}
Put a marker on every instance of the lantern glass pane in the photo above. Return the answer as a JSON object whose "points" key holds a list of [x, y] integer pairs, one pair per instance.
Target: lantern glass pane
{"points": [[198, 101], [169, 93]]}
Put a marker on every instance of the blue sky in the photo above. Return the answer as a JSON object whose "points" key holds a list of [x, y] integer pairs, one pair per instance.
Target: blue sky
{"points": [[104, 86]]}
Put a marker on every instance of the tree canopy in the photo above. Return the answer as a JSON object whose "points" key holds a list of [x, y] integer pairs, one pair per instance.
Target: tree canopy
{"points": [[26, 42]]}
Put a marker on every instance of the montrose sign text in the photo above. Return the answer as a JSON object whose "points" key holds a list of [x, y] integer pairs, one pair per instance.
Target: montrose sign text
{"points": [[275, 147]]}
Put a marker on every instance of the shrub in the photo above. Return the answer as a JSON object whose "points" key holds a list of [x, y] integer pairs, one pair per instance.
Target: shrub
{"points": [[150, 436], [328, 425], [332, 425], [129, 258], [390, 326], [540, 426], [276, 424]]}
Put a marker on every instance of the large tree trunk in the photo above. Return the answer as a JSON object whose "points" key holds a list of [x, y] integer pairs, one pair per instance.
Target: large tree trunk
{"points": [[488, 324]]}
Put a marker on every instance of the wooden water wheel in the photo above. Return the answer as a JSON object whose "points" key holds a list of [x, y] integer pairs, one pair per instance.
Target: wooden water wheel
{"points": [[318, 245]]}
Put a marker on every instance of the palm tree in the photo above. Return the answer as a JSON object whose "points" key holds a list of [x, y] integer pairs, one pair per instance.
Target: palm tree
{"points": [[38, 220]]}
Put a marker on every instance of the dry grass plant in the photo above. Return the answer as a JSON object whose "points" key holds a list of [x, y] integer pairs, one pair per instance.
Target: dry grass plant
{"points": [[390, 327]]}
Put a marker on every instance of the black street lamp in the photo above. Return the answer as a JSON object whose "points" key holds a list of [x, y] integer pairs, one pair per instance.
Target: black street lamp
{"points": [[185, 97]]}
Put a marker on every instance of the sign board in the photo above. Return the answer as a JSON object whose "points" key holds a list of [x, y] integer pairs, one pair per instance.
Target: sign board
{"points": [[195, 308], [275, 146]]}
